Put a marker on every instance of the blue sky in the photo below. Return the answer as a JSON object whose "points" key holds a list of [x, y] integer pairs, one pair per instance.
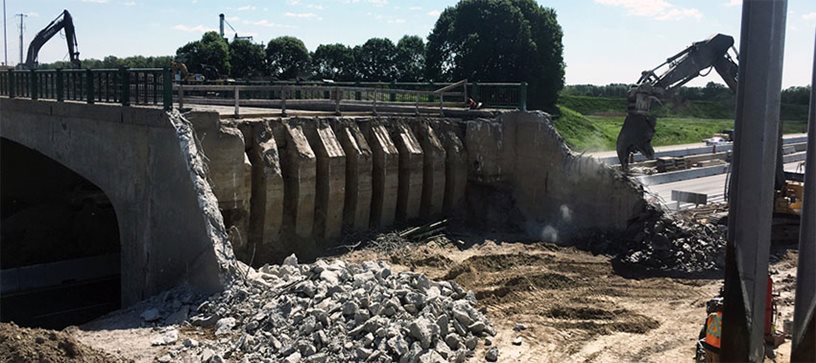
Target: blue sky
{"points": [[605, 41]]}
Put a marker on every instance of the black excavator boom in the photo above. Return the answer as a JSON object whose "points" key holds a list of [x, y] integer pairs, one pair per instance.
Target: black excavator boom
{"points": [[63, 22]]}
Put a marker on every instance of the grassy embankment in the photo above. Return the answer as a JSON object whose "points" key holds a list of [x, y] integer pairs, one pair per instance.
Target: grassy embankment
{"points": [[593, 123]]}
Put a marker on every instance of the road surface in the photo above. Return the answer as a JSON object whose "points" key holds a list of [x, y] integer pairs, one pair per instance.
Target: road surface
{"points": [[714, 186]]}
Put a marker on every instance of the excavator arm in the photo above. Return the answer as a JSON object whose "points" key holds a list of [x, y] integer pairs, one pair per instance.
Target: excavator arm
{"points": [[63, 21], [639, 126]]}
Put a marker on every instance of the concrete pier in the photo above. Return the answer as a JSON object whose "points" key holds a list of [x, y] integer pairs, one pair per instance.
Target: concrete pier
{"points": [[455, 166], [433, 170], [266, 211], [409, 196], [299, 165], [357, 206], [385, 174], [331, 179]]}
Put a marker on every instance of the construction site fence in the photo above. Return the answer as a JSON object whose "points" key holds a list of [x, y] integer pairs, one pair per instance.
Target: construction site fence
{"points": [[125, 86], [490, 95]]}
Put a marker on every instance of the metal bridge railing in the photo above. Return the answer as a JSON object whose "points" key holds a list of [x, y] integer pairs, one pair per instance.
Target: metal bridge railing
{"points": [[125, 86], [491, 95]]}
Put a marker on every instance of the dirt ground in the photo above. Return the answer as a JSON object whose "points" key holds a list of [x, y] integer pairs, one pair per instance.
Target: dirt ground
{"points": [[46, 346], [573, 304]]}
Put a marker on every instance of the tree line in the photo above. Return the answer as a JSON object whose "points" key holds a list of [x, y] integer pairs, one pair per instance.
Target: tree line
{"points": [[714, 92], [478, 40]]}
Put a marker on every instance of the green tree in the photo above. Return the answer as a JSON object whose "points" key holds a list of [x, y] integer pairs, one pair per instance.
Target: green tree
{"points": [[287, 58], [334, 61], [410, 59], [499, 40], [247, 59], [375, 60], [211, 50]]}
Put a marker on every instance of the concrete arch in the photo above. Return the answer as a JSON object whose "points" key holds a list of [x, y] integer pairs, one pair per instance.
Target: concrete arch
{"points": [[136, 156]]}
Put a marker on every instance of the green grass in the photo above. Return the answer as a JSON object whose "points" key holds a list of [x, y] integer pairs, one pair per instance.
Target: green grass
{"points": [[598, 133], [605, 106]]}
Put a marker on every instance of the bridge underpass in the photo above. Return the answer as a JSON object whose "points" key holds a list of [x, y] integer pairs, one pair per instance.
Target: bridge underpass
{"points": [[61, 250]]}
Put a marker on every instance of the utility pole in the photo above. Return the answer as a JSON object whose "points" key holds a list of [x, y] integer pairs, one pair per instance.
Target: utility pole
{"points": [[22, 16], [5, 38]]}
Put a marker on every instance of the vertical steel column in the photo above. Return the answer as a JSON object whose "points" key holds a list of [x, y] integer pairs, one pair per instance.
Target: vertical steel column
{"points": [[752, 190], [804, 313]]}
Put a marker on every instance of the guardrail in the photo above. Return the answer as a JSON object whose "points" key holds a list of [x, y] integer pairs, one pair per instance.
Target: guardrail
{"points": [[491, 95], [126, 86], [285, 96]]}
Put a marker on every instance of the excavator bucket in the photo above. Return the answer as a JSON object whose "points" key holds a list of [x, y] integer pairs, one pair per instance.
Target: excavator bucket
{"points": [[636, 136]]}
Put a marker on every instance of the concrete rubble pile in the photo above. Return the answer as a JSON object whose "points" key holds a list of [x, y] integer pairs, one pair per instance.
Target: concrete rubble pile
{"points": [[663, 243], [338, 312]]}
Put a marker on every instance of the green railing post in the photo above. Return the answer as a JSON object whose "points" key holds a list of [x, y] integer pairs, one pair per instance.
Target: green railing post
{"points": [[475, 92], [392, 95], [90, 94], [124, 78], [60, 86], [32, 86], [167, 89], [523, 96], [12, 85], [358, 95]]}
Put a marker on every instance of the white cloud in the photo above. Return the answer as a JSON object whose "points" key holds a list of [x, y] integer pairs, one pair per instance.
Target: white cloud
{"points": [[246, 7], [415, 8], [314, 6], [33, 14], [303, 15], [396, 21], [193, 29], [378, 2], [734, 3], [809, 16], [657, 9], [129, 3], [95, 1], [434, 13], [266, 23]]}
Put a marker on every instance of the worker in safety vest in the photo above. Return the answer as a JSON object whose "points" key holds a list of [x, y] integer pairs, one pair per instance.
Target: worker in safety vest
{"points": [[712, 336]]}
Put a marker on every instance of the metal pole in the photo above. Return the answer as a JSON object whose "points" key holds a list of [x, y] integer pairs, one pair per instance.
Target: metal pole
{"points": [[5, 37], [752, 191], [22, 16], [804, 312], [237, 98]]}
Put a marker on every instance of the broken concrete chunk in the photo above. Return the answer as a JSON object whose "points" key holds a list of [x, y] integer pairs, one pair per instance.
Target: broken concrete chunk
{"points": [[223, 326], [151, 314], [290, 260], [492, 354]]}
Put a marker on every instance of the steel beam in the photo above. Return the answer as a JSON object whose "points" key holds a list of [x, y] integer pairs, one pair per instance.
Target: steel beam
{"points": [[752, 189], [804, 319]]}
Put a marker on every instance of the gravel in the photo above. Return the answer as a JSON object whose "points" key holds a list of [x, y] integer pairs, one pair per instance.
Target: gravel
{"points": [[330, 311]]}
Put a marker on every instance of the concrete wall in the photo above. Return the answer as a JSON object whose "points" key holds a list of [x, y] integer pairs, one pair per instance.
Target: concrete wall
{"points": [[560, 196], [148, 165]]}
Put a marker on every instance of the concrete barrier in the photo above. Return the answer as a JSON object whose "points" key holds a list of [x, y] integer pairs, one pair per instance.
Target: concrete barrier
{"points": [[613, 160], [331, 179], [357, 206], [433, 170], [411, 159], [385, 174]]}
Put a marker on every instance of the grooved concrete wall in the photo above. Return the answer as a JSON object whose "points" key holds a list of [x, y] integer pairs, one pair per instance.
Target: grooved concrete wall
{"points": [[266, 212], [149, 167]]}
